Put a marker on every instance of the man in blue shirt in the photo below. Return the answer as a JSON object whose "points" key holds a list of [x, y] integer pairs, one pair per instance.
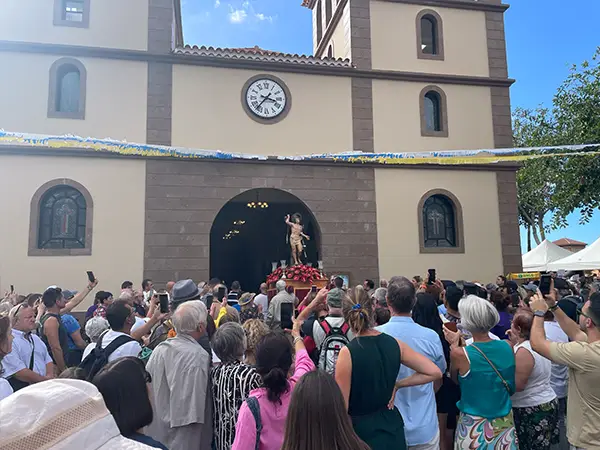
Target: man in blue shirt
{"points": [[417, 403]]}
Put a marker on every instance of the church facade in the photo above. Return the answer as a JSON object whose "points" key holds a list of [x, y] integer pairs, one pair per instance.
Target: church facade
{"points": [[386, 76]]}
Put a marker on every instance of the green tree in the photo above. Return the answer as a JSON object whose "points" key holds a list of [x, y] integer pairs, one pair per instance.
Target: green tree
{"points": [[552, 187]]}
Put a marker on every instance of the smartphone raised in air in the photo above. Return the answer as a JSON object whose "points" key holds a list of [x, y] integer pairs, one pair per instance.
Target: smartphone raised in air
{"points": [[545, 281], [164, 302], [91, 276]]}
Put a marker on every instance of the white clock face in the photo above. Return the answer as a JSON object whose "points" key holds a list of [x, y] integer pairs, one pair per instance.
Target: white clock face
{"points": [[266, 98]]}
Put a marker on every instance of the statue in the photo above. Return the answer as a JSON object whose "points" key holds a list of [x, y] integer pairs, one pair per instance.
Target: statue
{"points": [[295, 236]]}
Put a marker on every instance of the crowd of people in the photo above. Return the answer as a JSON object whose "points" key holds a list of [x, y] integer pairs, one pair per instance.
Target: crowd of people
{"points": [[420, 364]]}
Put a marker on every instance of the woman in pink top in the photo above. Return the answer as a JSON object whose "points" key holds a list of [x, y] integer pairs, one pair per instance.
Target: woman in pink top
{"points": [[273, 362]]}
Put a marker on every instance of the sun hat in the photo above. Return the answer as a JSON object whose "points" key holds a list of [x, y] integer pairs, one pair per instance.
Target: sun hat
{"points": [[184, 290], [246, 298], [60, 414]]}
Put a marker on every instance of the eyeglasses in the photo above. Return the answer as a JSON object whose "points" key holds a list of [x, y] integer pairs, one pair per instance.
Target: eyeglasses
{"points": [[148, 377], [581, 313]]}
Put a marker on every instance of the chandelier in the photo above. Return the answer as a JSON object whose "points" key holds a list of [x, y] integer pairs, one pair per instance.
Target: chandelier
{"points": [[255, 205]]}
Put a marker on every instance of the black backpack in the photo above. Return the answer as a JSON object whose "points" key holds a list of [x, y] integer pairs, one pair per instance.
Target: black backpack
{"points": [[98, 357]]}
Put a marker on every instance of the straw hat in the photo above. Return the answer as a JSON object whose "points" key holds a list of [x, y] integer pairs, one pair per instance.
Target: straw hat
{"points": [[60, 414], [246, 298]]}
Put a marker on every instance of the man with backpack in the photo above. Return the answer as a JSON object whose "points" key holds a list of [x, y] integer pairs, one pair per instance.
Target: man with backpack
{"points": [[331, 333], [114, 343]]}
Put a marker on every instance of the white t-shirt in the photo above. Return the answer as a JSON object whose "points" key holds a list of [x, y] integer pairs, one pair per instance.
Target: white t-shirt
{"points": [[559, 378], [262, 300], [537, 390], [319, 334], [5, 388], [139, 322], [132, 348]]}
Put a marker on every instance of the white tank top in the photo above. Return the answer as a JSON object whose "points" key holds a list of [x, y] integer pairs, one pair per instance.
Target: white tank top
{"points": [[538, 389]]}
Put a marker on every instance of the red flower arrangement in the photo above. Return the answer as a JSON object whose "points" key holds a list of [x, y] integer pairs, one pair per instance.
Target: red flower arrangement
{"points": [[301, 273]]}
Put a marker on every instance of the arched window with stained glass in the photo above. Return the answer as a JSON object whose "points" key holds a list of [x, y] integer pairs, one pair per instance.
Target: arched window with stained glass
{"points": [[440, 223], [62, 219]]}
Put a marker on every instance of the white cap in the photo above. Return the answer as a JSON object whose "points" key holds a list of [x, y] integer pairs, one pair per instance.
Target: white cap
{"points": [[60, 414]]}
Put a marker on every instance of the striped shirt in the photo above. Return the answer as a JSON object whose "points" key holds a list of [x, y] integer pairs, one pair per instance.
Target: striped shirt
{"points": [[231, 383]]}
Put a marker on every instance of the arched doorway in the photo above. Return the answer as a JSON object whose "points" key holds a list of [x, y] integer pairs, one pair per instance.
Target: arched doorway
{"points": [[247, 236]]}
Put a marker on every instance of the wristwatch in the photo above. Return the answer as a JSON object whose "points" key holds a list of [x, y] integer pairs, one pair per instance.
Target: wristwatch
{"points": [[539, 313], [553, 308]]}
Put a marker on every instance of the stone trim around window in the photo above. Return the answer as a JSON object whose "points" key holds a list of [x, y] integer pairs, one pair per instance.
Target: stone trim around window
{"points": [[458, 223], [60, 22], [53, 89], [439, 36], [34, 221], [443, 112]]}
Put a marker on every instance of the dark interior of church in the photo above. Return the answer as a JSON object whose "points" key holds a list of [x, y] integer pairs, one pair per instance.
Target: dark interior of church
{"points": [[250, 233]]}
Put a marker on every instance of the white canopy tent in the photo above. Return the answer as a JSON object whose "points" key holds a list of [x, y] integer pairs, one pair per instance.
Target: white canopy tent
{"points": [[586, 259], [545, 253]]}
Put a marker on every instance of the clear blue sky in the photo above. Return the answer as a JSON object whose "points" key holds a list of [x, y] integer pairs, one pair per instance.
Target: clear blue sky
{"points": [[543, 39]]}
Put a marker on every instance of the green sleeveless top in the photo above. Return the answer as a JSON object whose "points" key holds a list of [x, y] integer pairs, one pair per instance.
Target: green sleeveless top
{"points": [[483, 393]]}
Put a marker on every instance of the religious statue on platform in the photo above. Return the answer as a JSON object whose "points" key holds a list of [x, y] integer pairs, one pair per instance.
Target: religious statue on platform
{"points": [[295, 237]]}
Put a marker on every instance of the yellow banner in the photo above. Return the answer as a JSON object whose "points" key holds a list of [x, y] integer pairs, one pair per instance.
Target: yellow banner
{"points": [[524, 276]]}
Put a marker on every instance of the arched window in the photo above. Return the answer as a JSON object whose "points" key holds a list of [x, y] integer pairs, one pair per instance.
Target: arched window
{"points": [[67, 92], [430, 42], [434, 114], [433, 119], [327, 12], [319, 23], [67, 89], [440, 223], [330, 51], [61, 216]]}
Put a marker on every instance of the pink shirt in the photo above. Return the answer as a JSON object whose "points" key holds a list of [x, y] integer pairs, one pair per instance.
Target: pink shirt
{"points": [[272, 415]]}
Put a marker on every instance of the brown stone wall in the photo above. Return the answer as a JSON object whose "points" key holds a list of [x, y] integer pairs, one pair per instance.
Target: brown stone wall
{"points": [[184, 197], [509, 221], [496, 43]]}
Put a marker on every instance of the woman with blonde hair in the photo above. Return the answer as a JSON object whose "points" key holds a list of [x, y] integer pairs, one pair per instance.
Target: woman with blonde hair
{"points": [[366, 372], [255, 330]]}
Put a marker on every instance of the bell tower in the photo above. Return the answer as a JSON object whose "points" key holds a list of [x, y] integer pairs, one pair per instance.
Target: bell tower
{"points": [[342, 29]]}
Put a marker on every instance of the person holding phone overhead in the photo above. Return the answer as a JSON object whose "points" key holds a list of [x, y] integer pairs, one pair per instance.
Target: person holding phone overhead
{"points": [[485, 372]]}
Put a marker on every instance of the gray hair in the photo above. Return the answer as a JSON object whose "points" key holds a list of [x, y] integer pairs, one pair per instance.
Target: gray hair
{"points": [[95, 327], [188, 316], [380, 295], [229, 342], [5, 307], [596, 286], [126, 295], [477, 315], [13, 315], [280, 285]]}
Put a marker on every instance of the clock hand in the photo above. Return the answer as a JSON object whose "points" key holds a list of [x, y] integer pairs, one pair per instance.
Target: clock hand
{"points": [[264, 100]]}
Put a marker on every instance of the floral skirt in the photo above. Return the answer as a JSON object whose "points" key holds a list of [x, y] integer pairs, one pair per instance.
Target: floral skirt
{"points": [[537, 426], [475, 432]]}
